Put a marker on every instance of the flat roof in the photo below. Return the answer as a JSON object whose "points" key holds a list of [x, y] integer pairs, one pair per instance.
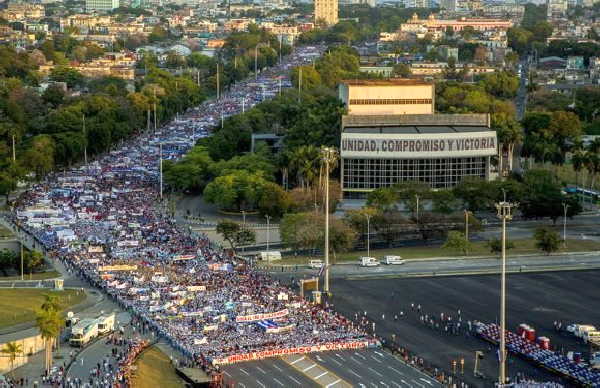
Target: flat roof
{"points": [[386, 82], [417, 130], [464, 121]]}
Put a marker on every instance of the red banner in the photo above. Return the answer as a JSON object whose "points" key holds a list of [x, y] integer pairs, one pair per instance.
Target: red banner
{"points": [[260, 317], [286, 351]]}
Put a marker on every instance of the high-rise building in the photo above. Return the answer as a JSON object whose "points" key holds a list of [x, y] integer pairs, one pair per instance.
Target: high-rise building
{"points": [[326, 11], [557, 8], [101, 5]]}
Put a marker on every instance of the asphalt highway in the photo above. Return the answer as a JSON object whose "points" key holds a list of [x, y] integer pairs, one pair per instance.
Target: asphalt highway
{"points": [[360, 368]]}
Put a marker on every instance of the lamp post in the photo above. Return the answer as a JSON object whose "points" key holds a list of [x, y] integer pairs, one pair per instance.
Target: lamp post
{"points": [[504, 209], [22, 254], [368, 234], [417, 210], [328, 154], [565, 207], [268, 231], [467, 225]]}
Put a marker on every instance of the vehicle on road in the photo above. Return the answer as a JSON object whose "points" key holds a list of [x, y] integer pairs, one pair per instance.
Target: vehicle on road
{"points": [[591, 336], [578, 330], [368, 262], [89, 328], [389, 260], [315, 264]]}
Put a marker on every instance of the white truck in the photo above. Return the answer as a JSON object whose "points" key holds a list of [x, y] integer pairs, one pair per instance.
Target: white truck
{"points": [[89, 328], [390, 260], [315, 264], [368, 262], [578, 330]]}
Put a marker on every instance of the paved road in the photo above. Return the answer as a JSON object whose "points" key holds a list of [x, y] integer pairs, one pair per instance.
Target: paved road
{"points": [[267, 373], [361, 368], [535, 299]]}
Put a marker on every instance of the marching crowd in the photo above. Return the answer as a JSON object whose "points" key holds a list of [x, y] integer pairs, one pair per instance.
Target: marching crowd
{"points": [[107, 222]]}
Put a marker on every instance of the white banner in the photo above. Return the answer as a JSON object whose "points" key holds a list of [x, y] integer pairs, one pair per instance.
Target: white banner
{"points": [[260, 317]]}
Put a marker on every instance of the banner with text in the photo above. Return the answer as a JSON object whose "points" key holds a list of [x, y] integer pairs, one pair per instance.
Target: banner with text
{"points": [[260, 317], [415, 146], [286, 351]]}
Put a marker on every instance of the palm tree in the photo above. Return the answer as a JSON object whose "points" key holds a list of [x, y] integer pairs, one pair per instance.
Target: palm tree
{"points": [[12, 349], [49, 324], [579, 160], [304, 161]]}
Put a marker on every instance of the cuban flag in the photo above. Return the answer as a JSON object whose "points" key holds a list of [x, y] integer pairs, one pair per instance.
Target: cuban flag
{"points": [[267, 325]]}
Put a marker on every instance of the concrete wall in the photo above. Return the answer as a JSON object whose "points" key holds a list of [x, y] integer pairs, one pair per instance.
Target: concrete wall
{"points": [[29, 345], [10, 244]]}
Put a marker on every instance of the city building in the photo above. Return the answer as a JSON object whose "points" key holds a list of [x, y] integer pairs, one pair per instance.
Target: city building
{"points": [[326, 11], [556, 8], [15, 12], [370, 3], [437, 149], [387, 97], [101, 5], [431, 24], [508, 11]]}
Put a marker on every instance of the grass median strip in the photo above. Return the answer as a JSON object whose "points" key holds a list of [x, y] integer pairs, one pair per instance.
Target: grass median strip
{"points": [[154, 369], [19, 305], [479, 248]]}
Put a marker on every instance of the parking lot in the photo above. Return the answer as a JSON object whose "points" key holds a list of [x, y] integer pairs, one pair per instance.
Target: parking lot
{"points": [[536, 299]]}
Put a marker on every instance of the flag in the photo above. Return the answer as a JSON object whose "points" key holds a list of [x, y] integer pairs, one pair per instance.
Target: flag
{"points": [[267, 325], [322, 270]]}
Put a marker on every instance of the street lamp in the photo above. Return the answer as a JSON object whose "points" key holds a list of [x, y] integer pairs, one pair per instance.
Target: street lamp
{"points": [[368, 234], [268, 231], [328, 155], [467, 225], [565, 207], [504, 213], [256, 59], [417, 211]]}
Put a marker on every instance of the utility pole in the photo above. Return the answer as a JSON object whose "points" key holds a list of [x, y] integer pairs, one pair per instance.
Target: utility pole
{"points": [[84, 142], [417, 211], [368, 235], [505, 214], [565, 207], [218, 83], [467, 225], [268, 232], [328, 154], [243, 104], [22, 254], [299, 83]]}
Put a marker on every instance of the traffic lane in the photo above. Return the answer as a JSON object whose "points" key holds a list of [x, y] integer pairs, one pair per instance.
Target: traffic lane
{"points": [[372, 368], [266, 373]]}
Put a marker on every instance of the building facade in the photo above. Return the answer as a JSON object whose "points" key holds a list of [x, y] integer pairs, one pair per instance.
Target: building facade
{"points": [[326, 11], [436, 149], [101, 5], [387, 97]]}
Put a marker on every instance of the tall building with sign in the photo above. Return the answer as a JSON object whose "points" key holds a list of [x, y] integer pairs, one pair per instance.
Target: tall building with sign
{"points": [[387, 97], [437, 149], [326, 11], [101, 5]]}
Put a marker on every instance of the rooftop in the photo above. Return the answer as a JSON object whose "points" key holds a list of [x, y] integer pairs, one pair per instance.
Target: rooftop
{"points": [[386, 82]]}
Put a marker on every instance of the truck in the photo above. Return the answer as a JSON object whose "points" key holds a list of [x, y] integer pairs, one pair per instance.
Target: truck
{"points": [[389, 260], [591, 336], [315, 264], [578, 330], [87, 329], [368, 262]]}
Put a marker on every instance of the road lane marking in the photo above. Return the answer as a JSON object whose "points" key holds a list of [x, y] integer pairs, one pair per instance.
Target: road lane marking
{"points": [[355, 360], [278, 382], [296, 381], [298, 359], [226, 374], [309, 368], [242, 385], [426, 381], [395, 370], [337, 355], [261, 384], [416, 382], [321, 375], [334, 383], [278, 368], [354, 373], [376, 359], [374, 371], [261, 369], [396, 384], [384, 384], [360, 355], [244, 371], [336, 361]]}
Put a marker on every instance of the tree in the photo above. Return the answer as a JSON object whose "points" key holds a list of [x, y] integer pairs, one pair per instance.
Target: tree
{"points": [[33, 260], [495, 245], [7, 260], [238, 190], [40, 157], [383, 198], [66, 74], [401, 70], [49, 324], [235, 234], [547, 240], [457, 241], [274, 201], [12, 350]]}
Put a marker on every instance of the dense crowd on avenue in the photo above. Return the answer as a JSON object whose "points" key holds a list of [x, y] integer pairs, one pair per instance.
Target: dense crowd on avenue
{"points": [[107, 221]]}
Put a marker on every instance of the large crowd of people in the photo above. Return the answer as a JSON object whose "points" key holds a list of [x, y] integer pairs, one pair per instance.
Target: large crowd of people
{"points": [[107, 221]]}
